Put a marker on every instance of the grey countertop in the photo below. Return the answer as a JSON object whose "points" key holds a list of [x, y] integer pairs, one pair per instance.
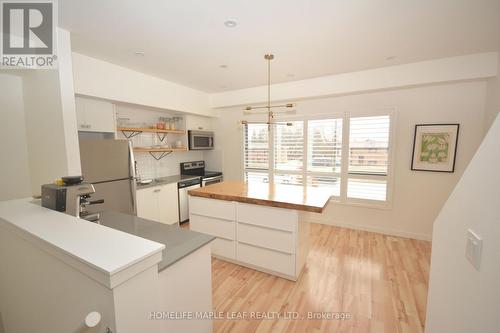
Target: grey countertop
{"points": [[166, 180], [178, 242]]}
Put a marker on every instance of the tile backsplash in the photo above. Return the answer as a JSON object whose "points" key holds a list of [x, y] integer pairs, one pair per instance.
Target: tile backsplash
{"points": [[148, 167]]}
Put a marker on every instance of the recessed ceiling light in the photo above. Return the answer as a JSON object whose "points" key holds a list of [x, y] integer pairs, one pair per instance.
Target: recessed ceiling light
{"points": [[223, 66], [139, 53], [230, 23]]}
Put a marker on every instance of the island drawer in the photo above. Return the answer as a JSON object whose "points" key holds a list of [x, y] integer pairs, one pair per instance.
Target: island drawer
{"points": [[275, 261], [224, 247], [273, 239], [213, 226], [212, 207], [277, 218]]}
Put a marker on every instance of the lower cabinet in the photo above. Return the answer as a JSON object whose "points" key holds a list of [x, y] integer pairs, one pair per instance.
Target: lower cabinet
{"points": [[159, 203], [273, 240]]}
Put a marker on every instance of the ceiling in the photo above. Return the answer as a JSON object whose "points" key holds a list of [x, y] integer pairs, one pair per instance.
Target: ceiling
{"points": [[187, 42]]}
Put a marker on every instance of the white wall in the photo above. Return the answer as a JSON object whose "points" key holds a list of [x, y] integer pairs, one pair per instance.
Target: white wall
{"points": [[44, 127], [418, 196], [493, 98], [97, 78], [15, 179], [38, 122], [462, 299], [469, 67], [68, 108]]}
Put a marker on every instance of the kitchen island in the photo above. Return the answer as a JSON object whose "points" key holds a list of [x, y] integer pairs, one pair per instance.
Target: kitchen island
{"points": [[258, 225]]}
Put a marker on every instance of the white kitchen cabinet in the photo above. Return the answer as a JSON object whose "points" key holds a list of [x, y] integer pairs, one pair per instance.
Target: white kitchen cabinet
{"points": [[168, 204], [198, 123], [94, 115], [147, 203], [269, 239], [159, 203]]}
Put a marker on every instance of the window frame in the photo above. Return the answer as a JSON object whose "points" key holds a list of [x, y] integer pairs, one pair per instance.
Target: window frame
{"points": [[344, 171]]}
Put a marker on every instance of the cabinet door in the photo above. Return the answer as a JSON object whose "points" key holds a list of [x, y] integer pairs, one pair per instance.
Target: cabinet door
{"points": [[147, 203], [94, 115], [198, 123], [99, 116], [80, 114], [168, 203]]}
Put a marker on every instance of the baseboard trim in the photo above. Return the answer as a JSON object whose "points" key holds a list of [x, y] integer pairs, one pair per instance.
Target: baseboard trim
{"points": [[385, 231]]}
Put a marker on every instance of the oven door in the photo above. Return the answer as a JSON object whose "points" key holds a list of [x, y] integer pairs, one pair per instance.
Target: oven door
{"points": [[201, 140], [211, 180]]}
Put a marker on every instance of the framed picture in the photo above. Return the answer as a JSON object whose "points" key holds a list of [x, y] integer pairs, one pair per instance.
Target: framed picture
{"points": [[435, 147]]}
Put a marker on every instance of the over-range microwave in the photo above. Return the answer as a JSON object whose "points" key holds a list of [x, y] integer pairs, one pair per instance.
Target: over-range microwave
{"points": [[201, 140]]}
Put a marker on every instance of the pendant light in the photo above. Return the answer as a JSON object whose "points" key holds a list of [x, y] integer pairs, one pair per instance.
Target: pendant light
{"points": [[268, 107]]}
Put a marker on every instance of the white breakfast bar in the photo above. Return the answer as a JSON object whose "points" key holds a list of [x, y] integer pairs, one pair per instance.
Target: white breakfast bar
{"points": [[257, 225]]}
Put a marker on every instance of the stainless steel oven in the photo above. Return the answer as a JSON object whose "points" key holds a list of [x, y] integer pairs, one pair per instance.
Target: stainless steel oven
{"points": [[201, 140], [211, 180]]}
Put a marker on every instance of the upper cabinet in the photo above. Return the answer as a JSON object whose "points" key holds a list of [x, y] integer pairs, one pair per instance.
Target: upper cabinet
{"points": [[198, 123], [95, 115]]}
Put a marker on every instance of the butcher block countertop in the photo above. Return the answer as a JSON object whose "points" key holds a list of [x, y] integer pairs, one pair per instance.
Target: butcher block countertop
{"points": [[303, 198]]}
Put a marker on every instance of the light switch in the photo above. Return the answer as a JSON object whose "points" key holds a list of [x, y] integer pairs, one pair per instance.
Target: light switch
{"points": [[473, 249]]}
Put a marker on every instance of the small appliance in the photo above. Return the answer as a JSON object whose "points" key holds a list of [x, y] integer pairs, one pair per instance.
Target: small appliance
{"points": [[70, 199], [201, 140]]}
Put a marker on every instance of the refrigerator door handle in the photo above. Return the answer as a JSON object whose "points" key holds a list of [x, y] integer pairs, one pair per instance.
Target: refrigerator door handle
{"points": [[133, 185], [131, 160], [133, 188]]}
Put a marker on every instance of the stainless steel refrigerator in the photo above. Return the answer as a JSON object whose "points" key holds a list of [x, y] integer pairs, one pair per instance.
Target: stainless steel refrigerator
{"points": [[109, 166]]}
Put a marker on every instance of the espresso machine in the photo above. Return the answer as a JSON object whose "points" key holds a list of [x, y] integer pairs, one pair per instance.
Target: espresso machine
{"points": [[71, 198]]}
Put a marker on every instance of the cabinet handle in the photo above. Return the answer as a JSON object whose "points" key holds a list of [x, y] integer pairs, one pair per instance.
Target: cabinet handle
{"points": [[157, 190]]}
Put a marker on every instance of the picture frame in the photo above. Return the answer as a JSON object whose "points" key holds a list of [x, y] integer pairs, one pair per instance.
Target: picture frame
{"points": [[435, 147]]}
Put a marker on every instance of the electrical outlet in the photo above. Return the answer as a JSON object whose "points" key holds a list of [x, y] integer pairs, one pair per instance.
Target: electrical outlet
{"points": [[473, 249]]}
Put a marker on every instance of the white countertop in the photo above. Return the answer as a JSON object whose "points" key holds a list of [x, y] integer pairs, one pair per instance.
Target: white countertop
{"points": [[105, 249]]}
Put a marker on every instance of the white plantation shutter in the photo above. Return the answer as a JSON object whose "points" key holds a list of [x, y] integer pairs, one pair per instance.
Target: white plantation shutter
{"points": [[324, 154], [256, 147], [289, 146], [368, 157], [325, 145], [361, 176], [256, 152]]}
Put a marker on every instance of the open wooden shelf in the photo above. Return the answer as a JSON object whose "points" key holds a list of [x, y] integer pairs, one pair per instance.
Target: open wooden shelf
{"points": [[158, 153], [149, 130], [157, 150]]}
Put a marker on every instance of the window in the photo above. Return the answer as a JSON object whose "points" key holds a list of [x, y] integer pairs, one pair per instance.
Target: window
{"points": [[256, 159], [368, 157], [324, 146], [349, 156], [289, 153]]}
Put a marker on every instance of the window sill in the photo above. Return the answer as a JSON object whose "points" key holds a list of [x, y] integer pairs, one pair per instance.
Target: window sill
{"points": [[384, 205]]}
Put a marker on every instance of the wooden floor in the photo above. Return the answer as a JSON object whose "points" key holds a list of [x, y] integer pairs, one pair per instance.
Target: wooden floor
{"points": [[380, 281]]}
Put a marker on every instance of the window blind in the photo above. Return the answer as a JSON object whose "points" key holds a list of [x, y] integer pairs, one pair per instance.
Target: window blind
{"points": [[324, 145], [369, 145], [368, 157], [289, 146], [256, 147]]}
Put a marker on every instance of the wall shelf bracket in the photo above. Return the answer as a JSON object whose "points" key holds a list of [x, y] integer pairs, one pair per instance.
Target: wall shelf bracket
{"points": [[159, 155], [131, 134], [161, 136]]}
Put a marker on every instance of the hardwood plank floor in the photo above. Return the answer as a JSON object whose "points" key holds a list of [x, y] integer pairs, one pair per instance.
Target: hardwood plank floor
{"points": [[380, 281]]}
